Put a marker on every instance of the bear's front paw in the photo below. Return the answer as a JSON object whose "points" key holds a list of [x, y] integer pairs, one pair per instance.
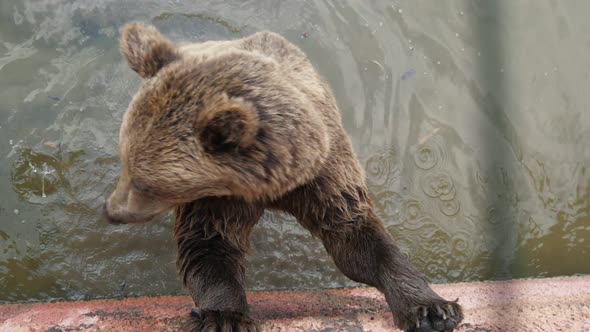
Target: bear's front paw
{"points": [[440, 316], [213, 321]]}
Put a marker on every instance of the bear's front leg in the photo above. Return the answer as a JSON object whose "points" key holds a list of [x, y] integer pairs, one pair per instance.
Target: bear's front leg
{"points": [[212, 237]]}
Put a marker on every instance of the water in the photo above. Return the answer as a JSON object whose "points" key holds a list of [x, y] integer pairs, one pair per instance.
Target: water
{"points": [[470, 117]]}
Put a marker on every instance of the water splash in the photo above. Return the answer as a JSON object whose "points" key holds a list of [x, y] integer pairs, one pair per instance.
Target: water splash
{"points": [[45, 172], [36, 174]]}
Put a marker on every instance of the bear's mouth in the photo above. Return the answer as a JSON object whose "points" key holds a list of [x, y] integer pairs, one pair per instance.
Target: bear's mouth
{"points": [[126, 218], [109, 219]]}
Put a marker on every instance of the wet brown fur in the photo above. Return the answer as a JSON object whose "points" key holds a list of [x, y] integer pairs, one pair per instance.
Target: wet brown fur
{"points": [[223, 130]]}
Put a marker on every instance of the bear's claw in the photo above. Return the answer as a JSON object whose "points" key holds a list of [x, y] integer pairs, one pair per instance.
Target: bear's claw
{"points": [[213, 321], [437, 317]]}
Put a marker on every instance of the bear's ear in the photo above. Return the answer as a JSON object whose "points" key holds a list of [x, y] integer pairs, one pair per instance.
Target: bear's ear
{"points": [[145, 49], [227, 123]]}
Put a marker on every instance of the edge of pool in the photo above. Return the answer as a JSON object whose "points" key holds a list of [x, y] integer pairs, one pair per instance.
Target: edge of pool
{"points": [[552, 304]]}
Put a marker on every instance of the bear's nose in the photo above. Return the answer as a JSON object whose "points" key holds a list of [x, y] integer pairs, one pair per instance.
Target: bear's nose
{"points": [[110, 220]]}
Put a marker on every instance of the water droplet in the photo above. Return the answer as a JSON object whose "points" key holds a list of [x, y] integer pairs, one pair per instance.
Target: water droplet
{"points": [[438, 62], [437, 184], [449, 208], [461, 13], [10, 142], [400, 10], [426, 157], [16, 211], [456, 34]]}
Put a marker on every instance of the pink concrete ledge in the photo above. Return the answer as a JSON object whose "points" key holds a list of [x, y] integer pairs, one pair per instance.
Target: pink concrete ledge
{"points": [[559, 304]]}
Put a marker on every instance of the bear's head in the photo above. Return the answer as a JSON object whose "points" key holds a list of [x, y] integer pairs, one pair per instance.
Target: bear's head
{"points": [[228, 124]]}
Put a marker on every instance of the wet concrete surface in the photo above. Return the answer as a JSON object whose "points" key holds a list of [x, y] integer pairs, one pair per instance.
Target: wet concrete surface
{"points": [[556, 304]]}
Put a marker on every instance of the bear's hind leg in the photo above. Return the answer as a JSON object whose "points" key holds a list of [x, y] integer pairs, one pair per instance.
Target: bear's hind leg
{"points": [[212, 237]]}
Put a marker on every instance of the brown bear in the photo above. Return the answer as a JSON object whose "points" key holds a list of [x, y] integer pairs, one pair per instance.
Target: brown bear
{"points": [[222, 130]]}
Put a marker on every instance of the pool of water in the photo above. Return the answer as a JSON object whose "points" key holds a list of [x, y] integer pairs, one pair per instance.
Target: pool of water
{"points": [[470, 117]]}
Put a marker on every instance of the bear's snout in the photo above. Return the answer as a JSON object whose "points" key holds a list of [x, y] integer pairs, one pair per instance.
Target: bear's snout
{"points": [[109, 219]]}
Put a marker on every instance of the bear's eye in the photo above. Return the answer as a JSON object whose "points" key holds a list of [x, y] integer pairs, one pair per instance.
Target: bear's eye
{"points": [[140, 186]]}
